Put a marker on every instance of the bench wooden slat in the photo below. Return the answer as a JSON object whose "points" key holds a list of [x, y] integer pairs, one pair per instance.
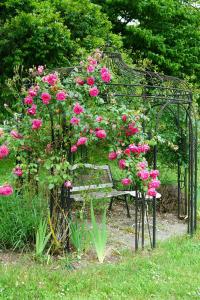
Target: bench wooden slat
{"points": [[91, 187], [99, 195]]}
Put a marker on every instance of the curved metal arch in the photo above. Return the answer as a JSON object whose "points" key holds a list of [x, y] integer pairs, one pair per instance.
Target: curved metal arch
{"points": [[116, 58], [192, 164]]}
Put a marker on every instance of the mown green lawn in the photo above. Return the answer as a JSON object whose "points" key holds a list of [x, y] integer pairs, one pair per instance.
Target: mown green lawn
{"points": [[172, 271]]}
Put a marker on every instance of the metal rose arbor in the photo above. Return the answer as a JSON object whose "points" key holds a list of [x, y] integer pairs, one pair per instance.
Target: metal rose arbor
{"points": [[167, 103], [143, 120], [167, 107]]}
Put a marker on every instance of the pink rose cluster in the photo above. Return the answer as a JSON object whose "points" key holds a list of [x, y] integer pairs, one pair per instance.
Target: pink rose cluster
{"points": [[32, 110], [51, 79], [32, 92], [145, 175], [100, 134], [81, 141], [75, 121], [79, 81], [6, 190], [15, 134], [141, 148], [40, 70], [4, 151], [90, 80], [131, 130], [94, 91], [61, 96], [17, 171], [68, 184], [78, 109], [92, 64], [105, 75], [46, 97], [36, 124]]}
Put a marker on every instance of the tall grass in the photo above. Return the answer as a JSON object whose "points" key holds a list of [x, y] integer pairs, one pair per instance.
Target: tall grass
{"points": [[42, 238], [99, 235], [19, 220]]}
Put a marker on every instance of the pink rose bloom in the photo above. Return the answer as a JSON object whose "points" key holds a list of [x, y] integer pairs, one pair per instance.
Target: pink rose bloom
{"points": [[61, 96], [94, 91], [133, 148], [104, 70], [124, 118], [155, 183], [79, 81], [6, 190], [142, 165], [154, 174], [131, 130], [81, 141], [143, 148], [90, 69], [36, 88], [92, 61], [44, 78], [36, 124], [15, 134], [126, 181], [18, 171], [4, 151], [32, 110], [143, 174], [52, 79], [99, 119], [146, 148], [151, 192], [127, 152], [122, 164], [78, 109], [74, 120], [40, 70], [46, 97], [73, 148], [106, 77], [90, 80], [112, 155], [32, 92], [28, 100], [68, 184], [101, 134]]}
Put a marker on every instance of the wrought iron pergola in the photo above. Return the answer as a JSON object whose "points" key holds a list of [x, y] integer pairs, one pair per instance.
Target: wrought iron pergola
{"points": [[163, 95]]}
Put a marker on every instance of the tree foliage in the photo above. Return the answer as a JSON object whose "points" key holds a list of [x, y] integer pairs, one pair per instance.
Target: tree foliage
{"points": [[53, 33], [166, 32]]}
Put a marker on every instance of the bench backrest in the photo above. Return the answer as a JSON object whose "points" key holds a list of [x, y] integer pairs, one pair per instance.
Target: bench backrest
{"points": [[91, 177]]}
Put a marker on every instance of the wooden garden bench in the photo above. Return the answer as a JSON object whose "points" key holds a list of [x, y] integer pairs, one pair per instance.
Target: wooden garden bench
{"points": [[104, 187], [104, 180]]}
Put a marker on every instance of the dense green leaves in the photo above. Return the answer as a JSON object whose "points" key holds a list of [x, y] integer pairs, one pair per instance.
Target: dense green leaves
{"points": [[53, 33], [166, 32]]}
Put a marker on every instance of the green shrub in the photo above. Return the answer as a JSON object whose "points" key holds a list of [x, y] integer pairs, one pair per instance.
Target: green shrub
{"points": [[19, 219]]}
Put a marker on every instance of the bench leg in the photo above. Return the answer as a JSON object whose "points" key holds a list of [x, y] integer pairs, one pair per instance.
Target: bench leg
{"points": [[110, 205], [127, 207]]}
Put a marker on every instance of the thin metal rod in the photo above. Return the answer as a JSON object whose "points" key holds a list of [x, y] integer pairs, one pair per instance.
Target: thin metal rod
{"points": [[154, 200], [136, 221], [143, 213]]}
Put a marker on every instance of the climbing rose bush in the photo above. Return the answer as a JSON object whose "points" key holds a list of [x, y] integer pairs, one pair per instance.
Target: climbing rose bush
{"points": [[58, 116]]}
